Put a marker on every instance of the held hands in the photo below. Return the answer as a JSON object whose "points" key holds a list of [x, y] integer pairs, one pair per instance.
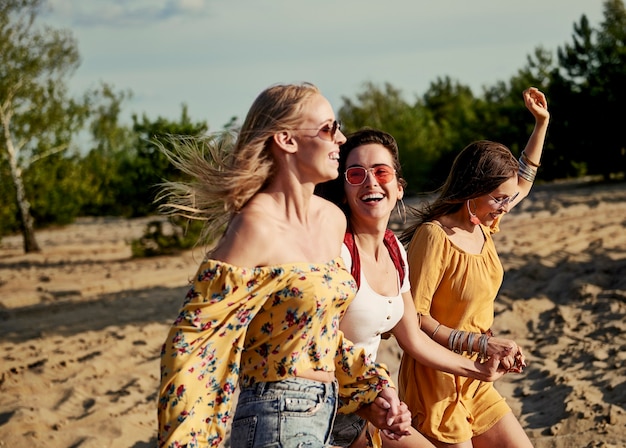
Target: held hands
{"points": [[507, 353], [491, 368], [536, 103], [389, 414]]}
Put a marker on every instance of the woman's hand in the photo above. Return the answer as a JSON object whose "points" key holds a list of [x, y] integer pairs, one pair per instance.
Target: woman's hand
{"points": [[389, 414], [536, 103], [491, 369], [510, 355], [519, 363]]}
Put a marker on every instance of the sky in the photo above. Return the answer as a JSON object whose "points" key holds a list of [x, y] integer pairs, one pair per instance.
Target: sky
{"points": [[216, 56]]}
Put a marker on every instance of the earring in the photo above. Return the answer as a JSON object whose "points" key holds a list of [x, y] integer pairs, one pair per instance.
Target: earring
{"points": [[473, 218], [401, 211]]}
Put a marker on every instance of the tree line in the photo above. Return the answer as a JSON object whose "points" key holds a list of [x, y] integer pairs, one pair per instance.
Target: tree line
{"points": [[48, 177]]}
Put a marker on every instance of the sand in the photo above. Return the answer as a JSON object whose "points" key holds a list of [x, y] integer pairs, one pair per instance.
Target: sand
{"points": [[81, 325]]}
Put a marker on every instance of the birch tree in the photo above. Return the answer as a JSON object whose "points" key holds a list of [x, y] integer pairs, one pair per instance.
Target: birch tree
{"points": [[36, 117]]}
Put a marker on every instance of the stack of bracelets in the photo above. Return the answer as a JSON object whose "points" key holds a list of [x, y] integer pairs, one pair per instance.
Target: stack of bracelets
{"points": [[527, 168], [457, 337]]}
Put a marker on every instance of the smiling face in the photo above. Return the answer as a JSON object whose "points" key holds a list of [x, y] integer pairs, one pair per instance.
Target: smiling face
{"points": [[318, 138], [496, 203], [373, 200]]}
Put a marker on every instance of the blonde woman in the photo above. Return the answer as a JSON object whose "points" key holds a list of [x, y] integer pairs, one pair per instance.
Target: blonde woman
{"points": [[263, 309]]}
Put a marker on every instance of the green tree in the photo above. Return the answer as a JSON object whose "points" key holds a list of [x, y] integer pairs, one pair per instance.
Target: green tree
{"points": [[36, 116], [454, 111], [112, 143], [53, 186], [8, 215], [588, 92], [503, 116], [145, 167], [411, 125]]}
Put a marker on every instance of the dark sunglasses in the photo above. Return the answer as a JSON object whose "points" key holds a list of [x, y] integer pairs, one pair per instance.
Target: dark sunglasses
{"points": [[356, 175], [329, 130]]}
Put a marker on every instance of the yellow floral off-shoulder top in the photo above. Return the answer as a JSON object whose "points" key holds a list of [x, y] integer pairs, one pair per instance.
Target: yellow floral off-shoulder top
{"points": [[256, 324]]}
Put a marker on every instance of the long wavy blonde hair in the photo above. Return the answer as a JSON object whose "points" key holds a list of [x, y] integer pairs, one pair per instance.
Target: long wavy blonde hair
{"points": [[227, 169]]}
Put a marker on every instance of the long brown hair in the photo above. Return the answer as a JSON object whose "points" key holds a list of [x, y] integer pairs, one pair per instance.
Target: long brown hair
{"points": [[481, 167]]}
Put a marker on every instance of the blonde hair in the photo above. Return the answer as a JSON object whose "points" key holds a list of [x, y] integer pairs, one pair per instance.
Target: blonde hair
{"points": [[227, 169]]}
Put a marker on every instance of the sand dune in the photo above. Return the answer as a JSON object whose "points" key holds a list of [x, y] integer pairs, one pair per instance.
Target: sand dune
{"points": [[81, 326]]}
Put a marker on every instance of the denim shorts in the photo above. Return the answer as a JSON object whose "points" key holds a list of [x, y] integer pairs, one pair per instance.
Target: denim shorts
{"points": [[346, 429], [294, 412]]}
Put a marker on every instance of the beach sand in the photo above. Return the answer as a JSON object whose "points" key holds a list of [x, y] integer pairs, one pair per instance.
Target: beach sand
{"points": [[82, 323]]}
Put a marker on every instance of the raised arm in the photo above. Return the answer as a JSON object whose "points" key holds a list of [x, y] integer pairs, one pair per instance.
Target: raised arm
{"points": [[530, 158]]}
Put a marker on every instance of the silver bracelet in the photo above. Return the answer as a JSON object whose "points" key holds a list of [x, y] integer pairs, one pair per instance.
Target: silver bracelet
{"points": [[451, 339], [458, 343], [470, 343], [526, 171], [483, 343], [528, 161]]}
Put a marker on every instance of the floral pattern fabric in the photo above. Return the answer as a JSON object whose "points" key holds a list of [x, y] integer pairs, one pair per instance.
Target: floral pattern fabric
{"points": [[256, 324]]}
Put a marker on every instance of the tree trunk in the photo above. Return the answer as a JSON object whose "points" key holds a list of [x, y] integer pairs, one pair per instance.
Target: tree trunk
{"points": [[23, 206], [28, 231]]}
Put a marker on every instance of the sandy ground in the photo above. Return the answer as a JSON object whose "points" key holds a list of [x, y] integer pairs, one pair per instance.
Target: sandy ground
{"points": [[81, 326]]}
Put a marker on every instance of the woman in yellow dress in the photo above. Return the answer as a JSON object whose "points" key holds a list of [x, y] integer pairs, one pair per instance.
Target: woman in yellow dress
{"points": [[455, 275]]}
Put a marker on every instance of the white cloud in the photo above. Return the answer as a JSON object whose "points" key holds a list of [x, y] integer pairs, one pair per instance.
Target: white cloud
{"points": [[217, 55], [123, 13], [192, 5]]}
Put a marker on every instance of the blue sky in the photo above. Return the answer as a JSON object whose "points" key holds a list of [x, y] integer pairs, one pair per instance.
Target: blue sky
{"points": [[217, 55]]}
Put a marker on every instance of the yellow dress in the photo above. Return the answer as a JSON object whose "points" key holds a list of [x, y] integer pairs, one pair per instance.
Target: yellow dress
{"points": [[457, 289], [256, 324]]}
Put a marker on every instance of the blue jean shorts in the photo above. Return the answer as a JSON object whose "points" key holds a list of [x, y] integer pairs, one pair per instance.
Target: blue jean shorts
{"points": [[346, 429], [294, 412]]}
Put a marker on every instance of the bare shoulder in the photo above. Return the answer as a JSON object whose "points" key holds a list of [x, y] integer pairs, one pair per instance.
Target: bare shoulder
{"points": [[332, 216], [261, 235], [247, 239]]}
